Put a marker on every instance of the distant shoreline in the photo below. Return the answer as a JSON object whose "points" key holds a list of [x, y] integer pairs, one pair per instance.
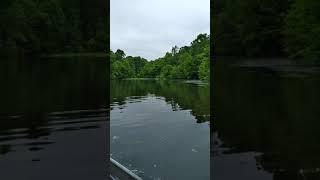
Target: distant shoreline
{"points": [[277, 64], [191, 81], [141, 79], [72, 55]]}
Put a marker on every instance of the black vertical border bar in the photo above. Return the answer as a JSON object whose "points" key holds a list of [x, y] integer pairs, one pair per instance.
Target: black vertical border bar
{"points": [[108, 69]]}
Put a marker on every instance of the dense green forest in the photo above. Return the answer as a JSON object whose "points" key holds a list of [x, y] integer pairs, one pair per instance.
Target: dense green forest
{"points": [[289, 28], [188, 62], [53, 26]]}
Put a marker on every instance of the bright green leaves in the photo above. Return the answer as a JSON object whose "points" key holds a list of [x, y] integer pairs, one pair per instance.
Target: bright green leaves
{"points": [[125, 67], [189, 62]]}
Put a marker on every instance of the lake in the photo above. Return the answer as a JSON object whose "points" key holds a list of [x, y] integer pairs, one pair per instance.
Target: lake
{"points": [[160, 129], [266, 123], [54, 118]]}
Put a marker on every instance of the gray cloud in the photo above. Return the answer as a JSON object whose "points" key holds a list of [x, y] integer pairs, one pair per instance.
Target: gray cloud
{"points": [[149, 28]]}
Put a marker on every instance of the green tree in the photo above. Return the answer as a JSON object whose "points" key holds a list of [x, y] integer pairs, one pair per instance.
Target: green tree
{"points": [[302, 30], [183, 63], [249, 28], [119, 55], [166, 72]]}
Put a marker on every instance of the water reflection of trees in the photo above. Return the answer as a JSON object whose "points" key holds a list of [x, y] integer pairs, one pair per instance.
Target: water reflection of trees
{"points": [[273, 114], [178, 94], [30, 89]]}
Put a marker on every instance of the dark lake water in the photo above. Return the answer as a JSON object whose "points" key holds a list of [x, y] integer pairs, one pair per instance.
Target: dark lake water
{"points": [[53, 119], [160, 129], [266, 123]]}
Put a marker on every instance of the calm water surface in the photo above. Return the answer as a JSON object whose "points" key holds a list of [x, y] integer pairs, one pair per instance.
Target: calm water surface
{"points": [[53, 119], [273, 130], [160, 129]]}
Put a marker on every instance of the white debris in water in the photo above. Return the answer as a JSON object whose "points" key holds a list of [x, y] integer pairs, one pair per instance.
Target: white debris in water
{"points": [[154, 165], [115, 137], [193, 150], [134, 170], [140, 172]]}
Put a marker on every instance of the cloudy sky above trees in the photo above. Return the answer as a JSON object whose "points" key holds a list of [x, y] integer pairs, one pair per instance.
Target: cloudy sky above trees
{"points": [[149, 28]]}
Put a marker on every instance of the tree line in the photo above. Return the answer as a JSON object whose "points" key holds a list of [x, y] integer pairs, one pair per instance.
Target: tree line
{"points": [[254, 28], [188, 62], [52, 26]]}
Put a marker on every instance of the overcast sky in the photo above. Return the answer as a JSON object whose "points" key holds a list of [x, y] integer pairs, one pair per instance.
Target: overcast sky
{"points": [[150, 28]]}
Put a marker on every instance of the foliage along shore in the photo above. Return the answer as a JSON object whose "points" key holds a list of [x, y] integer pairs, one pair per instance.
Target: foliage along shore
{"points": [[198, 82], [32, 27], [285, 28], [188, 62]]}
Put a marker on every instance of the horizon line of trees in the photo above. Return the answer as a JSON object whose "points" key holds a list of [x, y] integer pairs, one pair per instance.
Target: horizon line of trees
{"points": [[188, 62]]}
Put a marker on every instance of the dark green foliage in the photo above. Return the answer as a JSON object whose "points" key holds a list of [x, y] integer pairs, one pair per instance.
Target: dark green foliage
{"points": [[52, 26], [248, 28], [267, 28], [189, 62], [302, 30]]}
